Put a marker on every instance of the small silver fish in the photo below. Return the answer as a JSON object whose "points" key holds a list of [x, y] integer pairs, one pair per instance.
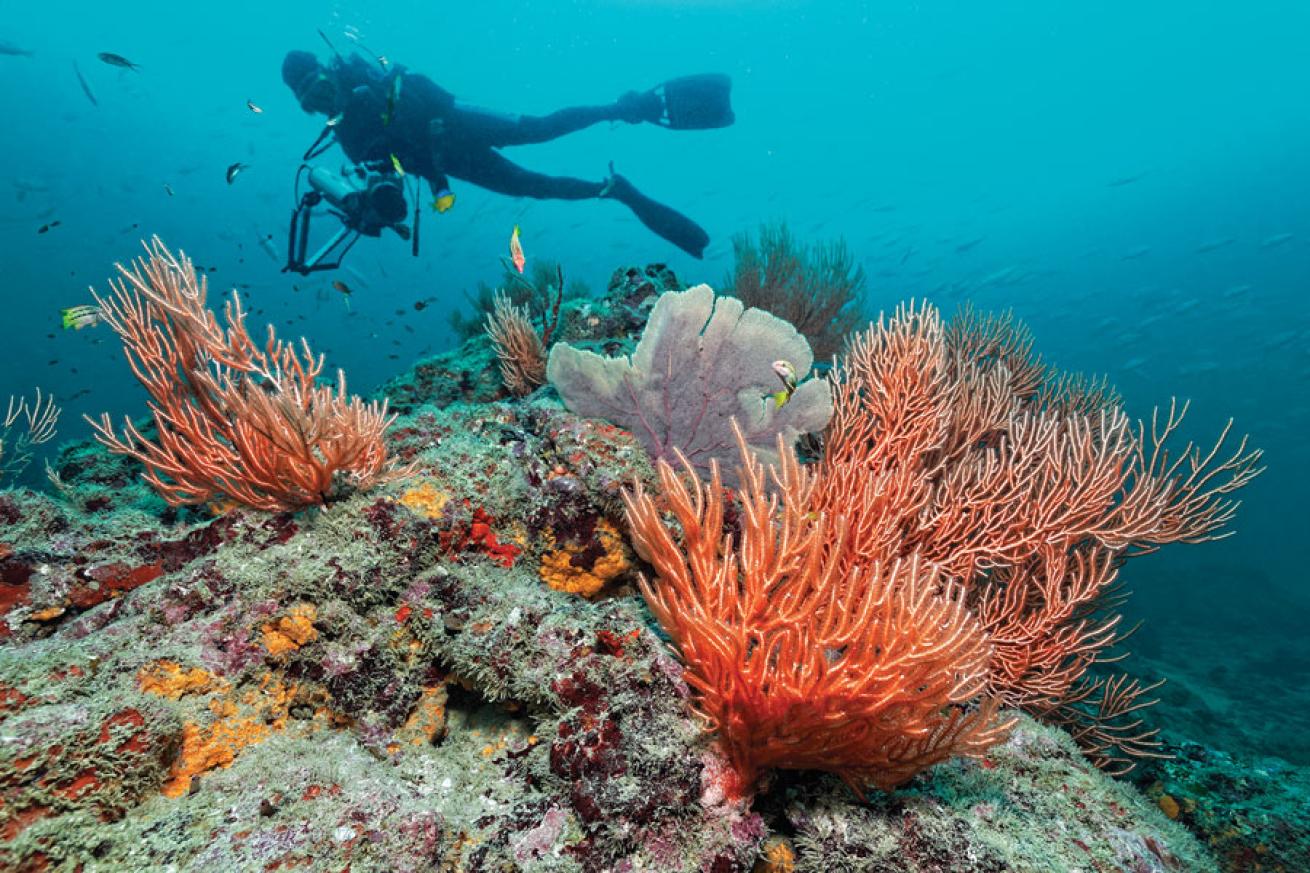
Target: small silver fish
{"points": [[1124, 180], [86, 88], [270, 248], [1213, 245], [117, 61], [250, 104], [8, 48], [234, 171]]}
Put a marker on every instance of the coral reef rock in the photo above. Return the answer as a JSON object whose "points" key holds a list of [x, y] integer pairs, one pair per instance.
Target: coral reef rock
{"points": [[392, 683]]}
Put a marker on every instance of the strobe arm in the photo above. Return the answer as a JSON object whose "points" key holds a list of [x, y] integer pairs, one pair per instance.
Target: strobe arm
{"points": [[298, 240]]}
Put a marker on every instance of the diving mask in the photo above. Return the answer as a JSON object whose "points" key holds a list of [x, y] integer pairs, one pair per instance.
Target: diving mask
{"points": [[317, 92]]}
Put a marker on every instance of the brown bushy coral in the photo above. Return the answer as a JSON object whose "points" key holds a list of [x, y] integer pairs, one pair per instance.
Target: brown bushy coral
{"points": [[521, 352], [818, 288]]}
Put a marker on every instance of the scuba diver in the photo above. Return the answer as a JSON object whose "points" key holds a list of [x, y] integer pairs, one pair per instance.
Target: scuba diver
{"points": [[380, 113]]}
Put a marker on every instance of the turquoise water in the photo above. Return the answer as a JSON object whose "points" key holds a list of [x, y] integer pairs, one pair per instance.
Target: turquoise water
{"points": [[1131, 181]]}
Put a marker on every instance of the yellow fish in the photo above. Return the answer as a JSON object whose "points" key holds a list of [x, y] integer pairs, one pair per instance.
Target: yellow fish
{"points": [[516, 250], [395, 163], [787, 373], [443, 201]]}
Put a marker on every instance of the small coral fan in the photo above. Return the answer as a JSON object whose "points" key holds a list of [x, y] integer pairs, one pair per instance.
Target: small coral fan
{"points": [[800, 660], [521, 352], [234, 422]]}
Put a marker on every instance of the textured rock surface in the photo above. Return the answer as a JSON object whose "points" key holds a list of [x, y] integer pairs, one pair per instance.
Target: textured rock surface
{"points": [[393, 684], [1032, 804], [1254, 815]]}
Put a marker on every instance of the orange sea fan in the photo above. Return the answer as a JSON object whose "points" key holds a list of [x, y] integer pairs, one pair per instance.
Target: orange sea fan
{"points": [[800, 660], [955, 465], [234, 421]]}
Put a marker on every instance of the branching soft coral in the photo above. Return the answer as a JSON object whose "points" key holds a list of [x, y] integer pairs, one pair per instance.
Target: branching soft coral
{"points": [[800, 659], [35, 423], [234, 421], [968, 505], [1026, 489]]}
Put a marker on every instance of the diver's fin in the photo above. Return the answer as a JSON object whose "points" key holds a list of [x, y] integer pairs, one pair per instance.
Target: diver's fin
{"points": [[663, 220], [697, 102]]}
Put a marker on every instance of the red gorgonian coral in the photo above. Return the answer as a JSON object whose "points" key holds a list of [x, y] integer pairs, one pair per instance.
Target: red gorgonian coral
{"points": [[799, 658], [954, 444]]}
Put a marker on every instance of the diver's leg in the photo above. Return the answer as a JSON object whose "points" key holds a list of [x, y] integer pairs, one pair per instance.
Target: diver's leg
{"points": [[491, 170], [506, 129]]}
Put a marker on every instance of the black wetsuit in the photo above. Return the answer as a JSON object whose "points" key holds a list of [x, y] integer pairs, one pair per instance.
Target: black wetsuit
{"points": [[434, 135]]}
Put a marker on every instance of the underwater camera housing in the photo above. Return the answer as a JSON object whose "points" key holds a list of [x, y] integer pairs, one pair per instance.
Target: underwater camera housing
{"points": [[366, 199]]}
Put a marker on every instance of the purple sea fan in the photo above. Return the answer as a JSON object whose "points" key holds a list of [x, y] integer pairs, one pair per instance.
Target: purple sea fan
{"points": [[701, 362]]}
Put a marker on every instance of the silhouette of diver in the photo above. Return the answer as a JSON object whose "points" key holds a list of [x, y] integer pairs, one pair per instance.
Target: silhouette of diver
{"points": [[384, 112]]}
